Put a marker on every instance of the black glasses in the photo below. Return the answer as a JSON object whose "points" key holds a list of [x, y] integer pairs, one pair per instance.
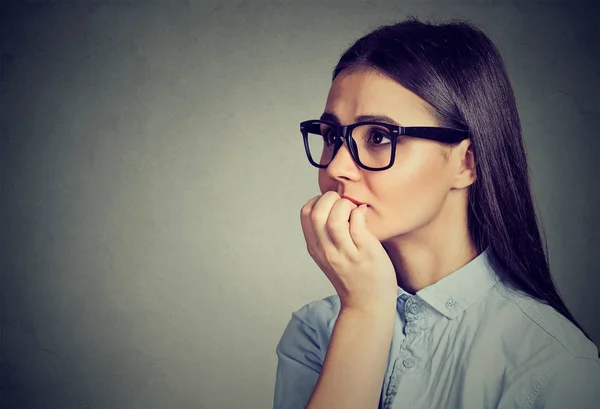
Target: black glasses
{"points": [[371, 144]]}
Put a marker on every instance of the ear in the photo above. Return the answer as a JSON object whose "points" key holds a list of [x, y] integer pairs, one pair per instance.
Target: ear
{"points": [[466, 172]]}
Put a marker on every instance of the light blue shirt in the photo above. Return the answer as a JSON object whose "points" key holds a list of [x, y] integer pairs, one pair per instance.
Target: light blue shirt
{"points": [[466, 341]]}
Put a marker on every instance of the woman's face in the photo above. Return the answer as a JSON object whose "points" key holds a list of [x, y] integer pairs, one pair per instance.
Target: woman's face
{"points": [[410, 193]]}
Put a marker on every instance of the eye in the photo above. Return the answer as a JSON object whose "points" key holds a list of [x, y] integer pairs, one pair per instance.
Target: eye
{"points": [[328, 136], [378, 136]]}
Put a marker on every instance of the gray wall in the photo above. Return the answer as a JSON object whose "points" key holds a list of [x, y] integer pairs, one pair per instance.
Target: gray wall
{"points": [[152, 174]]}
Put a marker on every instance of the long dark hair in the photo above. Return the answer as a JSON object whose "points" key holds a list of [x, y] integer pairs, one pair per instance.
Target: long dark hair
{"points": [[458, 70]]}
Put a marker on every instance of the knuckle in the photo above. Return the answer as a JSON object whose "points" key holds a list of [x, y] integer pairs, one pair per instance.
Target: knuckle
{"points": [[346, 202], [313, 250], [333, 224], [308, 206], [339, 204], [332, 259], [317, 217], [305, 211]]}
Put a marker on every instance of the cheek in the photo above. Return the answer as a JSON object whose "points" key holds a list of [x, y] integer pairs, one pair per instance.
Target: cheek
{"points": [[409, 199]]}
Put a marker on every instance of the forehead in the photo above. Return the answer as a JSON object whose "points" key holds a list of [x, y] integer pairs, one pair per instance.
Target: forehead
{"points": [[365, 92]]}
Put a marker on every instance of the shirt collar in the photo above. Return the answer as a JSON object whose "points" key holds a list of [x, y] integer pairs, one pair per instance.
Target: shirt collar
{"points": [[455, 292]]}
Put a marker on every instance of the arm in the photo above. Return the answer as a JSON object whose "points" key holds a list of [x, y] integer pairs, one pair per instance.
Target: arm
{"points": [[355, 360], [352, 374], [363, 275]]}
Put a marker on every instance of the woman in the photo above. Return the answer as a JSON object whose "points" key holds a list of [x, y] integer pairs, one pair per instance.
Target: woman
{"points": [[426, 228]]}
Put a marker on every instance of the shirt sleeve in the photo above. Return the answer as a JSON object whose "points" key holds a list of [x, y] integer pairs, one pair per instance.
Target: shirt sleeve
{"points": [[574, 384], [299, 363]]}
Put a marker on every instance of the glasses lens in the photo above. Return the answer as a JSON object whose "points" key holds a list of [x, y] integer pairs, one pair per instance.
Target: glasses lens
{"points": [[321, 139], [374, 145]]}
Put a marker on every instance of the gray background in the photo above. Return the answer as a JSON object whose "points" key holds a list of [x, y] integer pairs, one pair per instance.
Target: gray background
{"points": [[152, 175]]}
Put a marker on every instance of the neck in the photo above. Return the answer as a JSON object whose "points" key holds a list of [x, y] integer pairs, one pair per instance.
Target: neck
{"points": [[433, 251]]}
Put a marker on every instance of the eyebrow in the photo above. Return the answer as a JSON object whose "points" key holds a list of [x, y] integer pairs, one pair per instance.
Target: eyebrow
{"points": [[328, 116]]}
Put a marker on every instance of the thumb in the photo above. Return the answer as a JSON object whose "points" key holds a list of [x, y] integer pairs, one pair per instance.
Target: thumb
{"points": [[361, 236]]}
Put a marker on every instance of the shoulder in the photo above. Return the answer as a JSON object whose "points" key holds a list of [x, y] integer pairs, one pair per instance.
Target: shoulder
{"points": [[301, 352], [308, 331], [535, 326], [547, 360], [320, 315]]}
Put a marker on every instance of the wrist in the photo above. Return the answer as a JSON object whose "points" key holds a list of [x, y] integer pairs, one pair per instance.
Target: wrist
{"points": [[380, 308]]}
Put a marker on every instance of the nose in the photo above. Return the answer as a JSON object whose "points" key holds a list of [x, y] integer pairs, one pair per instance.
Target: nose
{"points": [[343, 166]]}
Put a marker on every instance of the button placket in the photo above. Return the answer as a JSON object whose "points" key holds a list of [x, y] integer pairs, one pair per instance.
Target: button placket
{"points": [[409, 362], [393, 387]]}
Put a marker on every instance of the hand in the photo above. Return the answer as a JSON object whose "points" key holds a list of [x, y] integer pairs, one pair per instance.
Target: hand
{"points": [[351, 257]]}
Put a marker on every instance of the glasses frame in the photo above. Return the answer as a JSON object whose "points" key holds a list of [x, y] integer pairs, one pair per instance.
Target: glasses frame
{"points": [[344, 132]]}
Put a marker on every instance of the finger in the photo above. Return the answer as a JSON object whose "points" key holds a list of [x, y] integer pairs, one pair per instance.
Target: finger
{"points": [[359, 233], [319, 216], [338, 226], [309, 235]]}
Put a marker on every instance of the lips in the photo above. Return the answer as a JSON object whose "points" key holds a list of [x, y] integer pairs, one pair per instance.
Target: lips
{"points": [[356, 202]]}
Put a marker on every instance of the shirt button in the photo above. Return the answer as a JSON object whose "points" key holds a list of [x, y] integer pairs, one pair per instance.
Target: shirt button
{"points": [[414, 308], [450, 304], [408, 362]]}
